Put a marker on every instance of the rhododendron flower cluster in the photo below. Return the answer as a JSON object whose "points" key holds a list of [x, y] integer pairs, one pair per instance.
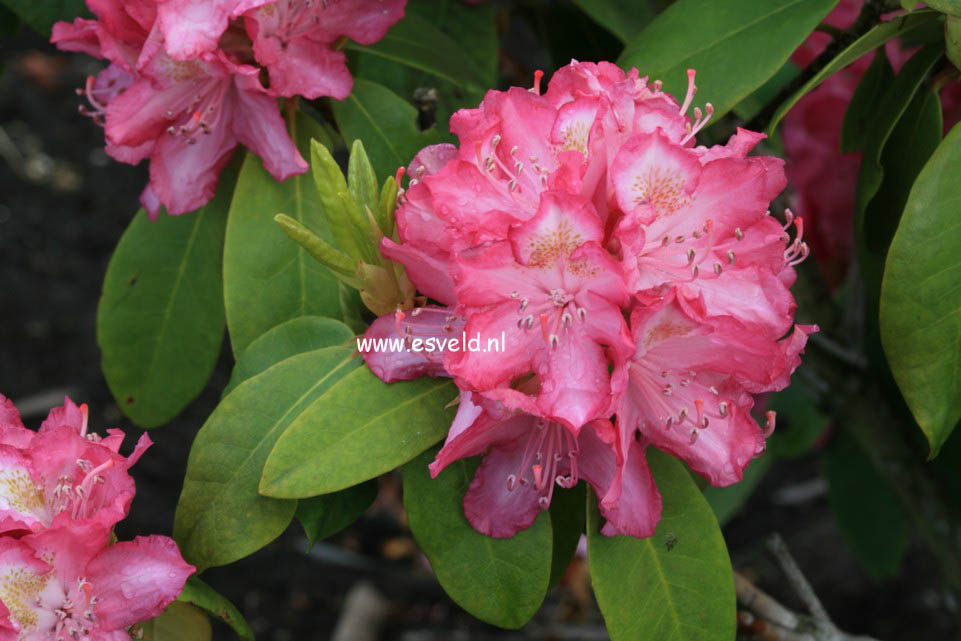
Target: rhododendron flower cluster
{"points": [[62, 489], [639, 279], [188, 81]]}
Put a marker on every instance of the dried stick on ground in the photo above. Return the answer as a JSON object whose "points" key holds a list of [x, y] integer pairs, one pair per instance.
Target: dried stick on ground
{"points": [[766, 619]]}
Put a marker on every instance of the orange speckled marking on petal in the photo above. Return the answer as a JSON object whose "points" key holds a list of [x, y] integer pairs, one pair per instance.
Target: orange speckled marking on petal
{"points": [[665, 331], [19, 588], [20, 492], [545, 249], [662, 188]]}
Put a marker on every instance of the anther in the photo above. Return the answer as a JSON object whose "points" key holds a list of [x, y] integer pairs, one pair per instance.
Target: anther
{"points": [[731, 257], [722, 409], [770, 419], [738, 233]]}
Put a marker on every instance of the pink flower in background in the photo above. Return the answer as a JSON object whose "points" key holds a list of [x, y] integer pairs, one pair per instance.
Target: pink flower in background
{"points": [[185, 84], [69, 583], [62, 489], [558, 217], [187, 117], [293, 40], [63, 473]]}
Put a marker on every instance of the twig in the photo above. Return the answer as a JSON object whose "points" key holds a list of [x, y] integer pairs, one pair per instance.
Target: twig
{"points": [[363, 615], [763, 604], [769, 620], [826, 627]]}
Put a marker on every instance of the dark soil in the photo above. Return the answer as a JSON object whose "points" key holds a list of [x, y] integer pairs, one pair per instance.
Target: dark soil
{"points": [[63, 207]]}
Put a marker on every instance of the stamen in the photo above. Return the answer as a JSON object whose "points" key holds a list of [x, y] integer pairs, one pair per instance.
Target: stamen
{"points": [[536, 89], [769, 423], [691, 90], [85, 412]]}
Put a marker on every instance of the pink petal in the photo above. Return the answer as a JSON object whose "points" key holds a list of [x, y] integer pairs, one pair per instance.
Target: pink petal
{"points": [[258, 126], [69, 415], [397, 359], [69, 548], [184, 176], [650, 169], [490, 507], [430, 160], [429, 273], [191, 28], [22, 505], [562, 224], [135, 580]]}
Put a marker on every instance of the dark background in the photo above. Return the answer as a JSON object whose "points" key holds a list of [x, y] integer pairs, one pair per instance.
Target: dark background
{"points": [[64, 205]]}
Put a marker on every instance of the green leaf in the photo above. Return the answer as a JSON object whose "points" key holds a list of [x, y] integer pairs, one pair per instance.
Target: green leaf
{"points": [[474, 28], [206, 598], [178, 622], [897, 98], [9, 24], [727, 501], [160, 320], [328, 514], [41, 15], [855, 133], [321, 251], [753, 104], [622, 19], [877, 36], [674, 586], [920, 298], [417, 43], [268, 278], [500, 581], [385, 122], [568, 514], [952, 40], [950, 7], [721, 40], [335, 197], [359, 429], [362, 182], [909, 146], [221, 517], [868, 512], [298, 335]]}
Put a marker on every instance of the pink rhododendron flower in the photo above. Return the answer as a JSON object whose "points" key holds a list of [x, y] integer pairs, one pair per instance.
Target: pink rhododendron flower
{"points": [[184, 87], [559, 218], [293, 40], [62, 489], [69, 583], [63, 473]]}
